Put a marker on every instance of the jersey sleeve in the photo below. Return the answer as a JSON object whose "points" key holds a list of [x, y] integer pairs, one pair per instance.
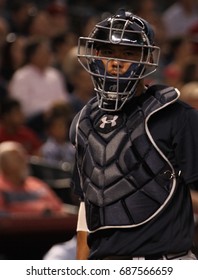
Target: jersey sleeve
{"points": [[186, 143]]}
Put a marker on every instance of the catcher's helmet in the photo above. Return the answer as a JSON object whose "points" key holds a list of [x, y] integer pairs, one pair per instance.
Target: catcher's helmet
{"points": [[127, 29]]}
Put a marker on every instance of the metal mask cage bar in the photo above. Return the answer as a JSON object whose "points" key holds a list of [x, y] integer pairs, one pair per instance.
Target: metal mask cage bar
{"points": [[149, 58]]}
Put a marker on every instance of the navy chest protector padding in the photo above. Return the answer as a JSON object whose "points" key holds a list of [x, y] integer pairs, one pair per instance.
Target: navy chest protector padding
{"points": [[125, 178]]}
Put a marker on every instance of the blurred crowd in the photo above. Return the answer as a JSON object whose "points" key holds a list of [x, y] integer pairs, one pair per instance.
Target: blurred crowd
{"points": [[40, 71], [42, 85]]}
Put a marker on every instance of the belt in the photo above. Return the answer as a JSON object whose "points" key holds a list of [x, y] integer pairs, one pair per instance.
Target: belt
{"points": [[149, 257]]}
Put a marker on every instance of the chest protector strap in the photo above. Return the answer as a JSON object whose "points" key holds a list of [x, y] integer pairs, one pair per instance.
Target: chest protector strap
{"points": [[125, 177]]}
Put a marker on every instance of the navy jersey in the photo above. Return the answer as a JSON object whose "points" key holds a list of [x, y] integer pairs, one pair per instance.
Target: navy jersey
{"points": [[174, 130]]}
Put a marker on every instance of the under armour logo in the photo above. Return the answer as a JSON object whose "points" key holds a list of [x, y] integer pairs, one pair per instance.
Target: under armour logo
{"points": [[105, 121]]}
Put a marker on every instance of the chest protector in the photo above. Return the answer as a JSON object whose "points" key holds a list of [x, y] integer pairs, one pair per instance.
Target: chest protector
{"points": [[125, 177]]}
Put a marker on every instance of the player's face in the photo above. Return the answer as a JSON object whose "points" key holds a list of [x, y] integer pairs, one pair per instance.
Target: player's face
{"points": [[116, 54]]}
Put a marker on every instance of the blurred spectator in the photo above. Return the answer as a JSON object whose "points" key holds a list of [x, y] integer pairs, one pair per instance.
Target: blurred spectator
{"points": [[18, 13], [3, 90], [4, 29], [189, 93], [20, 193], [79, 79], [147, 9], [190, 72], [59, 18], [12, 127], [179, 17], [57, 147], [38, 24], [12, 55], [189, 89], [2, 6], [178, 56], [61, 45], [79, 14], [37, 84], [3, 33], [193, 37], [88, 24]]}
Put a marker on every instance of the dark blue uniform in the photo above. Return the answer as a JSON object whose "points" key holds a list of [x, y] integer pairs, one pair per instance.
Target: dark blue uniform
{"points": [[168, 230]]}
